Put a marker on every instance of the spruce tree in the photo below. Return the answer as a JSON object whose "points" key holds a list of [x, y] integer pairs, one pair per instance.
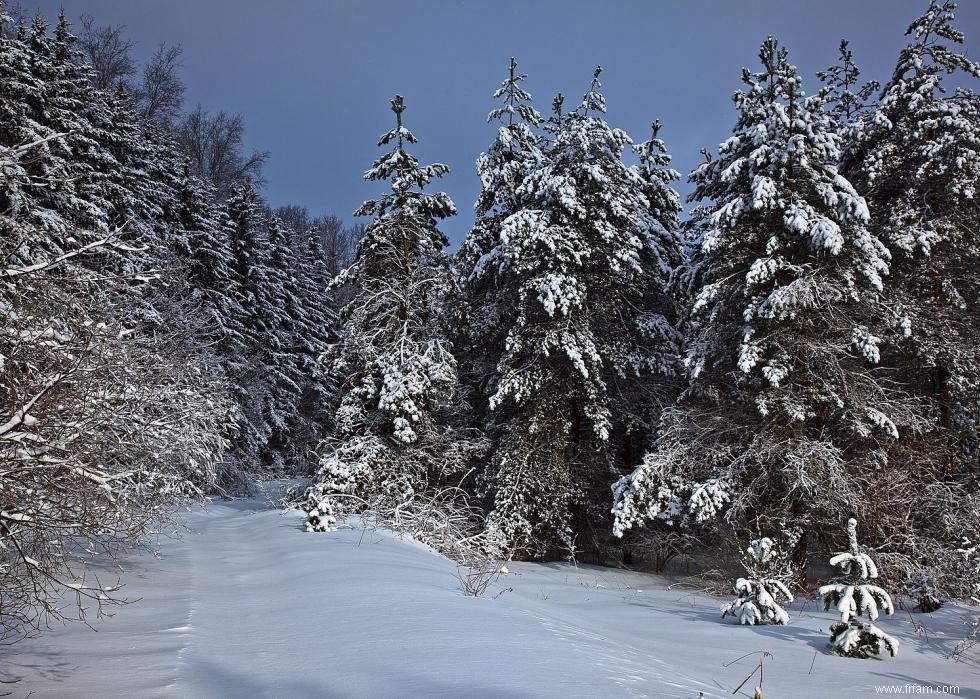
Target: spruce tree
{"points": [[782, 414], [206, 252], [317, 331], [916, 157], [283, 354], [43, 102], [503, 168], [584, 263], [854, 599], [249, 363], [393, 361], [764, 588]]}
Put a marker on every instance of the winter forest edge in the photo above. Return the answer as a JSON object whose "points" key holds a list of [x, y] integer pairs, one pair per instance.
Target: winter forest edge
{"points": [[776, 382]]}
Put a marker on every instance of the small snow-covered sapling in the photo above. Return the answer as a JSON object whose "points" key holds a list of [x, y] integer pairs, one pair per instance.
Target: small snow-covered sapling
{"points": [[921, 588], [855, 598], [762, 590]]}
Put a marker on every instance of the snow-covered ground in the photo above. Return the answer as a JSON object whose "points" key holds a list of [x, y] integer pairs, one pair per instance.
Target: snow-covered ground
{"points": [[246, 604]]}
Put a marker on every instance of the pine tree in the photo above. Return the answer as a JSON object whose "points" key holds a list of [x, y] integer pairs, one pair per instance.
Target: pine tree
{"points": [[245, 229], [768, 570], [503, 169], [922, 589], [584, 264], [41, 104], [408, 178], [249, 364], [283, 354], [317, 332], [304, 327], [781, 413], [206, 252], [916, 157], [393, 361], [98, 172], [854, 599]]}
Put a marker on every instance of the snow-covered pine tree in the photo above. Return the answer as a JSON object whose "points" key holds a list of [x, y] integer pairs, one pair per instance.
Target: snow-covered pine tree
{"points": [[118, 169], [781, 413], [854, 599], [916, 158], [393, 360], [245, 228], [297, 402], [584, 264], [42, 102], [764, 589], [207, 258], [251, 365], [284, 354], [503, 168], [96, 173], [102, 171], [662, 217], [317, 332], [922, 589]]}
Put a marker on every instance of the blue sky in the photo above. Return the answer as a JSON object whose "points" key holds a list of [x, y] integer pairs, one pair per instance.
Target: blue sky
{"points": [[313, 77]]}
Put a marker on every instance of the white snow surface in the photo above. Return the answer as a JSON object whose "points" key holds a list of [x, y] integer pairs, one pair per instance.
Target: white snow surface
{"points": [[247, 604]]}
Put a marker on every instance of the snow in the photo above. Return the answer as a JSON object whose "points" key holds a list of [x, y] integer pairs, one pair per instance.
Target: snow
{"points": [[248, 604]]}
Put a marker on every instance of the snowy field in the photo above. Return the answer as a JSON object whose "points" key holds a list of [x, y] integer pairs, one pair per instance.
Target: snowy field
{"points": [[246, 604]]}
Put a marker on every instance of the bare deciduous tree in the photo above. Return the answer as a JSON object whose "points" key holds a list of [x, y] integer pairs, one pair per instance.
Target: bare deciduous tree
{"points": [[215, 146], [162, 91], [107, 419], [340, 246], [108, 52]]}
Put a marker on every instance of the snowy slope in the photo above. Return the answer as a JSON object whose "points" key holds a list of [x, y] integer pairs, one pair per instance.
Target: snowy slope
{"points": [[246, 604]]}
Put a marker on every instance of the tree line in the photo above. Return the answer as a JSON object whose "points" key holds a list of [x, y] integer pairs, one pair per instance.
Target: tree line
{"points": [[162, 325], [598, 372], [798, 347]]}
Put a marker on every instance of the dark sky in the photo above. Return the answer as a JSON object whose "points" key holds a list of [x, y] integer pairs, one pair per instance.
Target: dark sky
{"points": [[313, 77]]}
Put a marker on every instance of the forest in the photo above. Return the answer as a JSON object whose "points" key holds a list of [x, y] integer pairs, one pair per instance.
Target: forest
{"points": [[601, 372]]}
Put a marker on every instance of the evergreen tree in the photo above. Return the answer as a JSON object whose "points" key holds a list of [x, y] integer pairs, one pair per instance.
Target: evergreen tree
{"points": [[41, 104], [503, 169], [98, 172], [584, 264], [252, 371], [921, 588], [768, 570], [305, 324], [916, 157], [318, 331], [207, 255], [393, 361], [782, 414], [282, 355], [841, 81], [408, 178], [854, 599], [268, 318]]}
